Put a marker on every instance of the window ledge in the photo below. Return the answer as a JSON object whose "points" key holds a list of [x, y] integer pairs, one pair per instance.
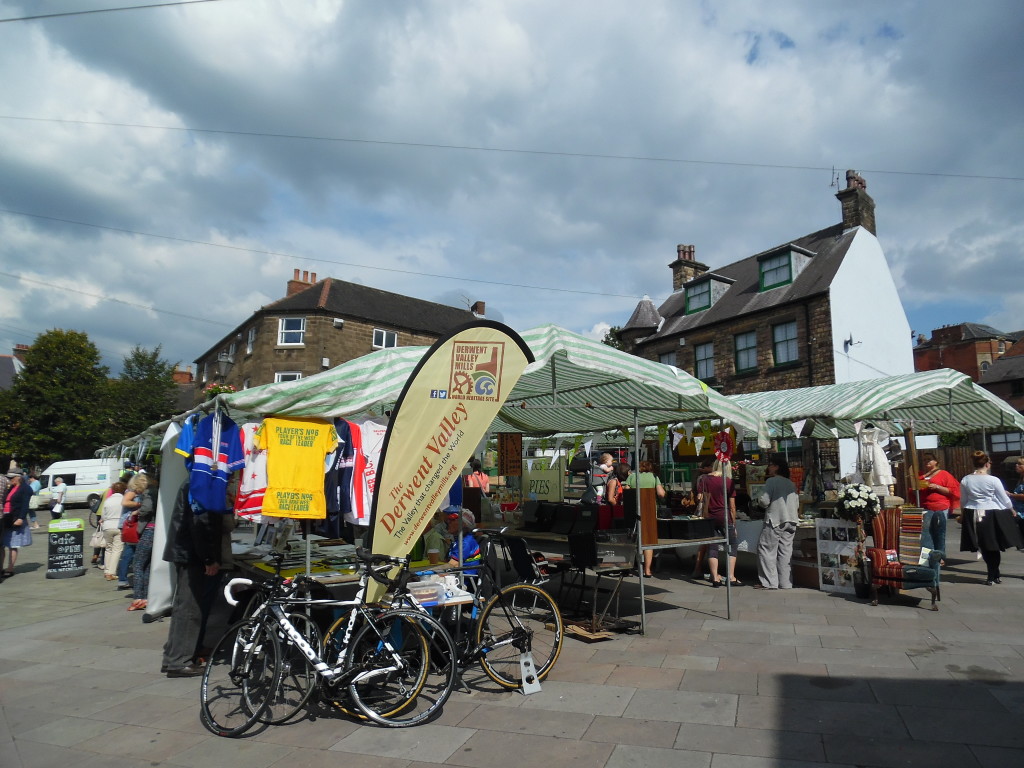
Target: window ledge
{"points": [[747, 373], [787, 366]]}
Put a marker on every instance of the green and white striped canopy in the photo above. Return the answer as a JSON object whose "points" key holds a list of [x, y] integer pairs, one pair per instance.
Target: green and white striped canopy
{"points": [[930, 402], [576, 385]]}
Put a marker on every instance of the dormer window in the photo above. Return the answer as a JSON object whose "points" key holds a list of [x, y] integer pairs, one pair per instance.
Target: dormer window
{"points": [[776, 271], [698, 296], [781, 266], [702, 292]]}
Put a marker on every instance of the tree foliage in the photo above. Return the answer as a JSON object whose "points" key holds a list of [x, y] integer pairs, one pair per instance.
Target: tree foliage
{"points": [[145, 393], [58, 404], [63, 405], [611, 337]]}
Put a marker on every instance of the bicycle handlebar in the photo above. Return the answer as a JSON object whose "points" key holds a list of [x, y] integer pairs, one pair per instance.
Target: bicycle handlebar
{"points": [[231, 585]]}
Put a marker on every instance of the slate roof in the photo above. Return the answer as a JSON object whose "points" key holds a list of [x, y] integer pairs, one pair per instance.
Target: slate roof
{"points": [[829, 247], [394, 310], [339, 298], [978, 331], [1008, 367], [9, 366]]}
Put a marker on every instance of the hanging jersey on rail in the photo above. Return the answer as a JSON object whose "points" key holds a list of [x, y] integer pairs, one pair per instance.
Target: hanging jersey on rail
{"points": [[372, 441], [253, 483], [296, 450], [215, 451]]}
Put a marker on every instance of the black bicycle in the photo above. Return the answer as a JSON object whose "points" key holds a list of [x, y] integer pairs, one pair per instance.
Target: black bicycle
{"points": [[502, 627], [383, 663]]}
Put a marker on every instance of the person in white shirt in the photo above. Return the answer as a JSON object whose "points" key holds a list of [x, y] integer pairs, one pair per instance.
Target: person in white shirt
{"points": [[988, 523], [57, 496]]}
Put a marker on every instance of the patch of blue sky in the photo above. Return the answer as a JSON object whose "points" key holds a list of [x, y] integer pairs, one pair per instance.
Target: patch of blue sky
{"points": [[754, 39], [889, 31]]}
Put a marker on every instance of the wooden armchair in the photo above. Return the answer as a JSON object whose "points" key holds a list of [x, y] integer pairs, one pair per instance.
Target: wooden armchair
{"points": [[899, 536]]}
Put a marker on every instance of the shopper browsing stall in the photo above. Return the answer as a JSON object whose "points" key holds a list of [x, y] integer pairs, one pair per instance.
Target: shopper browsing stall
{"points": [[775, 545]]}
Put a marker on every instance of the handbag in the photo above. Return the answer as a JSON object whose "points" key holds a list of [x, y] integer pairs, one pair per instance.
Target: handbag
{"points": [[98, 541], [57, 509], [130, 531]]}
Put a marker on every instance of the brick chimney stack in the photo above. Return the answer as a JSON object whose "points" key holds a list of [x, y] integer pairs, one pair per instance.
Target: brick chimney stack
{"points": [[298, 284], [20, 350], [685, 268], [858, 207], [182, 377]]}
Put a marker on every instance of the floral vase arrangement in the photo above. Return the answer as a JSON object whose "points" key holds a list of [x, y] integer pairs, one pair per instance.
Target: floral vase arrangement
{"points": [[857, 503], [210, 391]]}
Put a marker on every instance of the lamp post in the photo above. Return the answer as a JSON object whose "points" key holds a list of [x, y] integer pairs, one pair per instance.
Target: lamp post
{"points": [[224, 363]]}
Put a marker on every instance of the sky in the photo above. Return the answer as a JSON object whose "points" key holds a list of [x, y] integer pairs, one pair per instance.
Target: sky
{"points": [[164, 170]]}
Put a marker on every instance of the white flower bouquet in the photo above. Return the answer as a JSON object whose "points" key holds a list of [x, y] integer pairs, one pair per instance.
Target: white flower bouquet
{"points": [[857, 501]]}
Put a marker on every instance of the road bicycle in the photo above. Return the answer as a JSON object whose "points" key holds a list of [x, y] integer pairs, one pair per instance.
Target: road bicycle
{"points": [[388, 665], [515, 632]]}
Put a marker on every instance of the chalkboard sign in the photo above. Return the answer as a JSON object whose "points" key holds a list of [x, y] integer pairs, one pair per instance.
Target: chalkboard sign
{"points": [[65, 555]]}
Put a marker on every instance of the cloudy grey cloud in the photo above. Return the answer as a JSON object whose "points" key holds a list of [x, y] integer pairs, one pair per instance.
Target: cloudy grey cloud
{"points": [[463, 151]]}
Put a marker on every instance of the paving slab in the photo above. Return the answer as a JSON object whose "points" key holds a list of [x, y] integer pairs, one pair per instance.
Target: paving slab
{"points": [[799, 679]]}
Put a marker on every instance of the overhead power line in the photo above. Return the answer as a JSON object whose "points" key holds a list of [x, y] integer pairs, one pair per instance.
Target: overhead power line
{"points": [[105, 10], [507, 150], [460, 278], [102, 297]]}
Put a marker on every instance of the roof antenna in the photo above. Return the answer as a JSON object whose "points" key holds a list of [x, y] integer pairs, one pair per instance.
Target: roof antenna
{"points": [[835, 178]]}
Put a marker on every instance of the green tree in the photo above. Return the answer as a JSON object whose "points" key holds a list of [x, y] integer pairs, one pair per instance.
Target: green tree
{"points": [[611, 337], [58, 404], [145, 394]]}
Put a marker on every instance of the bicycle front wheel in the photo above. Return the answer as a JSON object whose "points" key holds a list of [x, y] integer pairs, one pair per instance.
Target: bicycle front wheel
{"points": [[403, 668], [242, 673], [519, 618], [298, 677]]}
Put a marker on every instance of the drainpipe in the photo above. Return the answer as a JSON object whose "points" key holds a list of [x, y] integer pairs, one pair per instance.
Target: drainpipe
{"points": [[810, 340]]}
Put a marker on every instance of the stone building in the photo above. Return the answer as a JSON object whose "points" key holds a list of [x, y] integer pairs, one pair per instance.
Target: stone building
{"points": [[318, 325], [818, 309]]}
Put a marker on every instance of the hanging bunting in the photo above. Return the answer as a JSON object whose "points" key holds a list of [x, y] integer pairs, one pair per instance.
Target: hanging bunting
{"points": [[798, 427], [662, 433], [688, 429], [698, 442], [676, 438]]}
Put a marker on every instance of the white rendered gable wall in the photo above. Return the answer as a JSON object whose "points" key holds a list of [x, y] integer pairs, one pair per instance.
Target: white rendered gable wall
{"points": [[865, 305]]}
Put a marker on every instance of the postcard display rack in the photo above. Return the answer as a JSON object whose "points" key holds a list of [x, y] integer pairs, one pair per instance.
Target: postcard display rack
{"points": [[838, 556]]}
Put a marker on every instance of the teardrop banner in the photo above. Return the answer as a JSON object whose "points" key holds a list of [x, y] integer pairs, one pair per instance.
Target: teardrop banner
{"points": [[444, 411]]}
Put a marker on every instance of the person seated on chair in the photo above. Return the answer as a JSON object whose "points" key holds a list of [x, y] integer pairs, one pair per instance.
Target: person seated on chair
{"points": [[436, 540], [462, 519]]}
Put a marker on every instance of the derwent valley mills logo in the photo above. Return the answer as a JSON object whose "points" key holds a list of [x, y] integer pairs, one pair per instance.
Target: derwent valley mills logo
{"points": [[475, 372]]}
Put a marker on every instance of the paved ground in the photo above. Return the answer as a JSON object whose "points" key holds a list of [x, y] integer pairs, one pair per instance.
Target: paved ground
{"points": [[797, 679]]}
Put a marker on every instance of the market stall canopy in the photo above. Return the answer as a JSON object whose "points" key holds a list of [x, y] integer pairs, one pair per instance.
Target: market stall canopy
{"points": [[576, 385], [931, 402]]}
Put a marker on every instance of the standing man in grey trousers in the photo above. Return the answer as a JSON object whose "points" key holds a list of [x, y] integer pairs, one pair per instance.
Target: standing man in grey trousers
{"points": [[775, 546]]}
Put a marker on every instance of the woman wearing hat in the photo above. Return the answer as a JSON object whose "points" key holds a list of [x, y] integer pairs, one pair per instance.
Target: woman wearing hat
{"points": [[16, 529]]}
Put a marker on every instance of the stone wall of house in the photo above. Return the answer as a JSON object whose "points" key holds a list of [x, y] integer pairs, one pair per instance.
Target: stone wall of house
{"points": [[323, 339], [814, 367]]}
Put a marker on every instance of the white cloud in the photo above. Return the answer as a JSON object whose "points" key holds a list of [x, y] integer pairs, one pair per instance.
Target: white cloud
{"points": [[877, 87]]}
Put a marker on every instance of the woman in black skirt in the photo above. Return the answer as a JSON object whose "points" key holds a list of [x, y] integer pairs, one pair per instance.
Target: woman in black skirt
{"points": [[987, 516]]}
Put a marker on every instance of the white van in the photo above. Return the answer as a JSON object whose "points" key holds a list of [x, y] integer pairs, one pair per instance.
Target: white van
{"points": [[87, 480]]}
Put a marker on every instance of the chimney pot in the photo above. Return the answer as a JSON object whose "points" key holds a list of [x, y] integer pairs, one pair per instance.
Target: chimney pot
{"points": [[296, 275], [477, 308], [305, 276], [312, 277]]}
